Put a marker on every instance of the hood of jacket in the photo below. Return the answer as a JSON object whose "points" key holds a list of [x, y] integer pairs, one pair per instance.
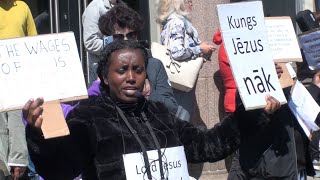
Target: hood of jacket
{"points": [[217, 38]]}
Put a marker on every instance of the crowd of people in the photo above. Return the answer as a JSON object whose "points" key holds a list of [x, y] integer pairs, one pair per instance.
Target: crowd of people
{"points": [[133, 109]]}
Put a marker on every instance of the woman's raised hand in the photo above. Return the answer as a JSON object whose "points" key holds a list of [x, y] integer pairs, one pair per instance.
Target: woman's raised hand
{"points": [[32, 112], [272, 104]]}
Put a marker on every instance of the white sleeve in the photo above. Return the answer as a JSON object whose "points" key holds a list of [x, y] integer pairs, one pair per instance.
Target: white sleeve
{"points": [[92, 37]]}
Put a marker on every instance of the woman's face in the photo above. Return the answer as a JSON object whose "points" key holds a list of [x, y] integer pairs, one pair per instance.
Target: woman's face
{"points": [[188, 5], [126, 74]]}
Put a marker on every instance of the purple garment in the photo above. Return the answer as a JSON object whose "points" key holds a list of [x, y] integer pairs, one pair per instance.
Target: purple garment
{"points": [[92, 91], [66, 108]]}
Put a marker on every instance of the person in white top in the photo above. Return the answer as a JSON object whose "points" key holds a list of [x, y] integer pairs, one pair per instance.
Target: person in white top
{"points": [[92, 37]]}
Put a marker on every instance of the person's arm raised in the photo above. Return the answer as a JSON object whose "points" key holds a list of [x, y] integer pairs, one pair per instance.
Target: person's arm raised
{"points": [[202, 145], [71, 152], [32, 111]]}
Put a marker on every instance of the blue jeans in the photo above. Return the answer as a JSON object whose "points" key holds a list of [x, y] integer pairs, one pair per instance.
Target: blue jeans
{"points": [[32, 174]]}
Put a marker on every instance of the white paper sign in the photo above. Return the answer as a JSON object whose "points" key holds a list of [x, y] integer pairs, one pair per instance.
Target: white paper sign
{"points": [[45, 66], [282, 39], [307, 130], [246, 42], [173, 160], [304, 107], [291, 70]]}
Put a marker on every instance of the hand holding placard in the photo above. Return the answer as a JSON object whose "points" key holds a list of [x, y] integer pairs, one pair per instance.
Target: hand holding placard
{"points": [[272, 105], [32, 112], [46, 116]]}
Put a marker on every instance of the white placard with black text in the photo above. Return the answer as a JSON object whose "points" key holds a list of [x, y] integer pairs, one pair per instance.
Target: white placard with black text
{"points": [[173, 160], [45, 66], [246, 42], [282, 39]]}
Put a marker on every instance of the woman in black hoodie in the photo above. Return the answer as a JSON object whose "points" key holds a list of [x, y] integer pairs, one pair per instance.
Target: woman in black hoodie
{"points": [[106, 128]]}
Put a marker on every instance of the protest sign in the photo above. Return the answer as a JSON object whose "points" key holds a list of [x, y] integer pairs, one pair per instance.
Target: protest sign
{"points": [[174, 164], [246, 42], [310, 44], [304, 108], [45, 66], [282, 39]]}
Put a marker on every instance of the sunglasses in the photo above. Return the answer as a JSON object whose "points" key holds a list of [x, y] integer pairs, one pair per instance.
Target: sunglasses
{"points": [[189, 2], [130, 36], [109, 39]]}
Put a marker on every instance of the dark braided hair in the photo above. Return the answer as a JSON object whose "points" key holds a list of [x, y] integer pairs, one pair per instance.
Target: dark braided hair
{"points": [[105, 58], [122, 16]]}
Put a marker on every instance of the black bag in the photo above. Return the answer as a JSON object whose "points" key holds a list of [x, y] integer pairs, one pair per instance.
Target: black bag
{"points": [[306, 20]]}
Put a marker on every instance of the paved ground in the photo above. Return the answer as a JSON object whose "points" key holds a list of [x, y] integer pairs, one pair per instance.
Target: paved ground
{"points": [[216, 177], [311, 178], [224, 176]]}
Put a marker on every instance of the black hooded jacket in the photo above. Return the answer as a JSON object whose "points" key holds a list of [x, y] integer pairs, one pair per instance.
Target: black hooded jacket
{"points": [[99, 137]]}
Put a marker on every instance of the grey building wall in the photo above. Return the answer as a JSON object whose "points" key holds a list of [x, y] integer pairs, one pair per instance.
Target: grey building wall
{"points": [[209, 90]]}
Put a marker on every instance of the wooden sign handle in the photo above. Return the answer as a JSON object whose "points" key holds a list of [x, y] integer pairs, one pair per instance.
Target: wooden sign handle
{"points": [[54, 123]]}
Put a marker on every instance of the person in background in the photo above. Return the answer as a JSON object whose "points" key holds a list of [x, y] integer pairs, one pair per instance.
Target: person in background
{"points": [[280, 148], [42, 20], [120, 23], [104, 128], [226, 74], [315, 138], [16, 21], [314, 90], [174, 17], [229, 84], [308, 21], [92, 36]]}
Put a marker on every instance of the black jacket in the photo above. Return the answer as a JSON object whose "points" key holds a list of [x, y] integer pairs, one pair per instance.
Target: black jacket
{"points": [[279, 149], [271, 152], [98, 139], [161, 91]]}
